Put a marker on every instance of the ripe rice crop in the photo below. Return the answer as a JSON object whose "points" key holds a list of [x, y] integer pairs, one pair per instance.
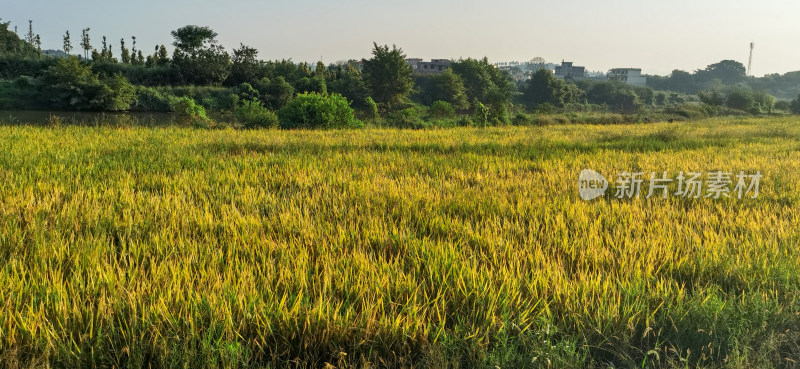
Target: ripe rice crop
{"points": [[466, 247]]}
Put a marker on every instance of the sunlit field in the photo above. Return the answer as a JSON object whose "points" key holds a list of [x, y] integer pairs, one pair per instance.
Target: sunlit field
{"points": [[467, 247]]}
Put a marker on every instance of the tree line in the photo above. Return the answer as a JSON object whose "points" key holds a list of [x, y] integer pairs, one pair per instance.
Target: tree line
{"points": [[381, 86], [727, 75]]}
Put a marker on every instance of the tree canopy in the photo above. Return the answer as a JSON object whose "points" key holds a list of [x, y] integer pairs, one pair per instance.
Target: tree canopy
{"points": [[387, 75], [198, 57]]}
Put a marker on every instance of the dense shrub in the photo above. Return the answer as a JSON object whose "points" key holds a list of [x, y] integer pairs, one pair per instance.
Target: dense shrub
{"points": [[441, 109], [598, 118], [783, 105], [546, 108], [139, 74], [211, 97], [498, 115], [315, 110], [245, 91], [522, 119], [150, 99], [19, 94], [616, 96], [117, 94], [741, 99], [188, 112], [691, 111], [544, 120], [548, 119], [70, 84], [764, 101], [465, 121], [253, 114], [407, 118], [13, 66]]}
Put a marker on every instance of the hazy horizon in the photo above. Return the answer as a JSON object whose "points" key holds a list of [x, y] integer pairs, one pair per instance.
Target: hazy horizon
{"points": [[657, 37]]}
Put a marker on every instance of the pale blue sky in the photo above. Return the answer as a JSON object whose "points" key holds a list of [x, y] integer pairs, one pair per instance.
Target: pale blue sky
{"points": [[657, 36]]}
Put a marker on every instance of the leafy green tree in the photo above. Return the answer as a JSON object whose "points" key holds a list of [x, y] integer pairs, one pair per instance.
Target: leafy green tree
{"points": [[275, 92], [320, 70], [741, 99], [152, 60], [125, 54], [314, 84], [764, 101], [616, 95], [544, 87], [449, 87], [192, 39], [483, 81], [446, 86], [487, 84], [163, 55], [727, 71], [245, 66], [198, 57], [30, 37], [284, 68], [388, 76], [304, 70], [349, 83], [134, 58], [682, 81], [476, 77], [105, 54], [795, 105], [86, 43], [11, 44], [712, 97], [67, 44]]}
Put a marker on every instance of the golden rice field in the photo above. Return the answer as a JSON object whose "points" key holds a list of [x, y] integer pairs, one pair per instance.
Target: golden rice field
{"points": [[184, 248]]}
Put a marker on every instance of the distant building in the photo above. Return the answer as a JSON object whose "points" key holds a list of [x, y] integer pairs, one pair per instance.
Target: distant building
{"points": [[431, 67], [517, 74], [568, 71], [413, 62], [631, 76]]}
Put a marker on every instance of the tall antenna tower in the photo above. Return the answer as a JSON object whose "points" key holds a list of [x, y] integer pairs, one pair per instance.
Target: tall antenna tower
{"points": [[750, 62]]}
